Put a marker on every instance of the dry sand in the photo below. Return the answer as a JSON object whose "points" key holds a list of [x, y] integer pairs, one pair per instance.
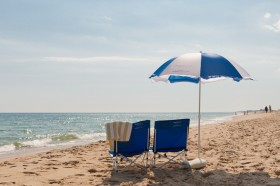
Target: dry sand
{"points": [[245, 151]]}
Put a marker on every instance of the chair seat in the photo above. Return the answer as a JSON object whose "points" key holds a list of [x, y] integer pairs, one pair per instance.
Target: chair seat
{"points": [[111, 152], [177, 149]]}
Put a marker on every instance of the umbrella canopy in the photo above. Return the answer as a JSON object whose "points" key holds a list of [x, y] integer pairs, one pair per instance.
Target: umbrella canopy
{"points": [[197, 68]]}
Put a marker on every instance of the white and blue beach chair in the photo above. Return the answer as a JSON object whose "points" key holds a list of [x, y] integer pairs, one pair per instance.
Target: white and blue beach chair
{"points": [[170, 136], [136, 147]]}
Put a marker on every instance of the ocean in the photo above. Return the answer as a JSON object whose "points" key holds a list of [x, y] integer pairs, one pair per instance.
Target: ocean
{"points": [[24, 132]]}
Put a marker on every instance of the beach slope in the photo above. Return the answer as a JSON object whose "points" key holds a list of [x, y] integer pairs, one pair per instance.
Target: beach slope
{"points": [[244, 151]]}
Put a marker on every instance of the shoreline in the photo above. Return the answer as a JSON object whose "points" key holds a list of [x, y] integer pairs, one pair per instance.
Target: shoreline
{"points": [[45, 144], [35, 150], [243, 151]]}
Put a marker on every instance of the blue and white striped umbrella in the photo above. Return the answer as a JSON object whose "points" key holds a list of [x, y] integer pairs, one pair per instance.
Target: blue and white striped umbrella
{"points": [[199, 68], [193, 67]]}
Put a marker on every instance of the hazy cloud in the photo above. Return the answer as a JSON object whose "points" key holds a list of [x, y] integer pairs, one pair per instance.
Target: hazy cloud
{"points": [[98, 59], [267, 15], [274, 27], [108, 18], [272, 22]]}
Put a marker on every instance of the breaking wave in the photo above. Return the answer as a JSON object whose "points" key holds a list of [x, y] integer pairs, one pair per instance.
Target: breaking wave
{"points": [[52, 140]]}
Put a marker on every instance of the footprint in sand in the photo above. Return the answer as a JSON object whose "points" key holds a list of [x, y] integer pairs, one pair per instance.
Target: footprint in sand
{"points": [[6, 163], [206, 174], [115, 182], [71, 163], [52, 164], [51, 168], [31, 173], [92, 170], [54, 182], [261, 168], [7, 183], [79, 175], [99, 175], [109, 166]]}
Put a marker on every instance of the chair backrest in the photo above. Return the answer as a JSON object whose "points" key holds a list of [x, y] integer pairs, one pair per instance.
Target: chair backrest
{"points": [[171, 135], [139, 141]]}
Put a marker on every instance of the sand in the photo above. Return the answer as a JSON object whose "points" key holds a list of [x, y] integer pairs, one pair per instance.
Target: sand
{"points": [[244, 151]]}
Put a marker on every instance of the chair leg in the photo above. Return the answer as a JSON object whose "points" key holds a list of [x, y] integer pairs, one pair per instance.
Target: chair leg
{"points": [[115, 163], [182, 156], [154, 161], [170, 159], [147, 159], [134, 161], [143, 159], [142, 163]]}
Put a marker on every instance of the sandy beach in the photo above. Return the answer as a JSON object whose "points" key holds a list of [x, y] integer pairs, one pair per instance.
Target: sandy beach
{"points": [[244, 151]]}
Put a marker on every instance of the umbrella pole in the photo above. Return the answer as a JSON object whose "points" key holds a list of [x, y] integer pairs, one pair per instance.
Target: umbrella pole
{"points": [[198, 163], [198, 153]]}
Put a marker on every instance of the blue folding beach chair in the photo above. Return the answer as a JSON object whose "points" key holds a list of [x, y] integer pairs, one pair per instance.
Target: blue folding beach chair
{"points": [[136, 147], [170, 136]]}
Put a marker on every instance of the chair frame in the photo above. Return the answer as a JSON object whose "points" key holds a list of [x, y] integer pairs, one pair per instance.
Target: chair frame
{"points": [[119, 157]]}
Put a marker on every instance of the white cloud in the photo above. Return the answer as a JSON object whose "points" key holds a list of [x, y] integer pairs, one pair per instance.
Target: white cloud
{"points": [[108, 18], [274, 27], [272, 22], [267, 15], [98, 59]]}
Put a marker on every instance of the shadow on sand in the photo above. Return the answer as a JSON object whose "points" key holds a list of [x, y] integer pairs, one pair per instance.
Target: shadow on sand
{"points": [[180, 176]]}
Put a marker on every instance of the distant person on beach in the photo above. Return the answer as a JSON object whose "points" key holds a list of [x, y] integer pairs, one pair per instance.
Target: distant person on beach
{"points": [[270, 108], [266, 109]]}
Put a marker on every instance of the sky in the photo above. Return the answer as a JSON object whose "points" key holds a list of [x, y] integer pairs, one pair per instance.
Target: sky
{"points": [[96, 56]]}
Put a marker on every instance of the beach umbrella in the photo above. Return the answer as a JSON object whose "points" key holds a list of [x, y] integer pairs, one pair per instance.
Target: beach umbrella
{"points": [[199, 68]]}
